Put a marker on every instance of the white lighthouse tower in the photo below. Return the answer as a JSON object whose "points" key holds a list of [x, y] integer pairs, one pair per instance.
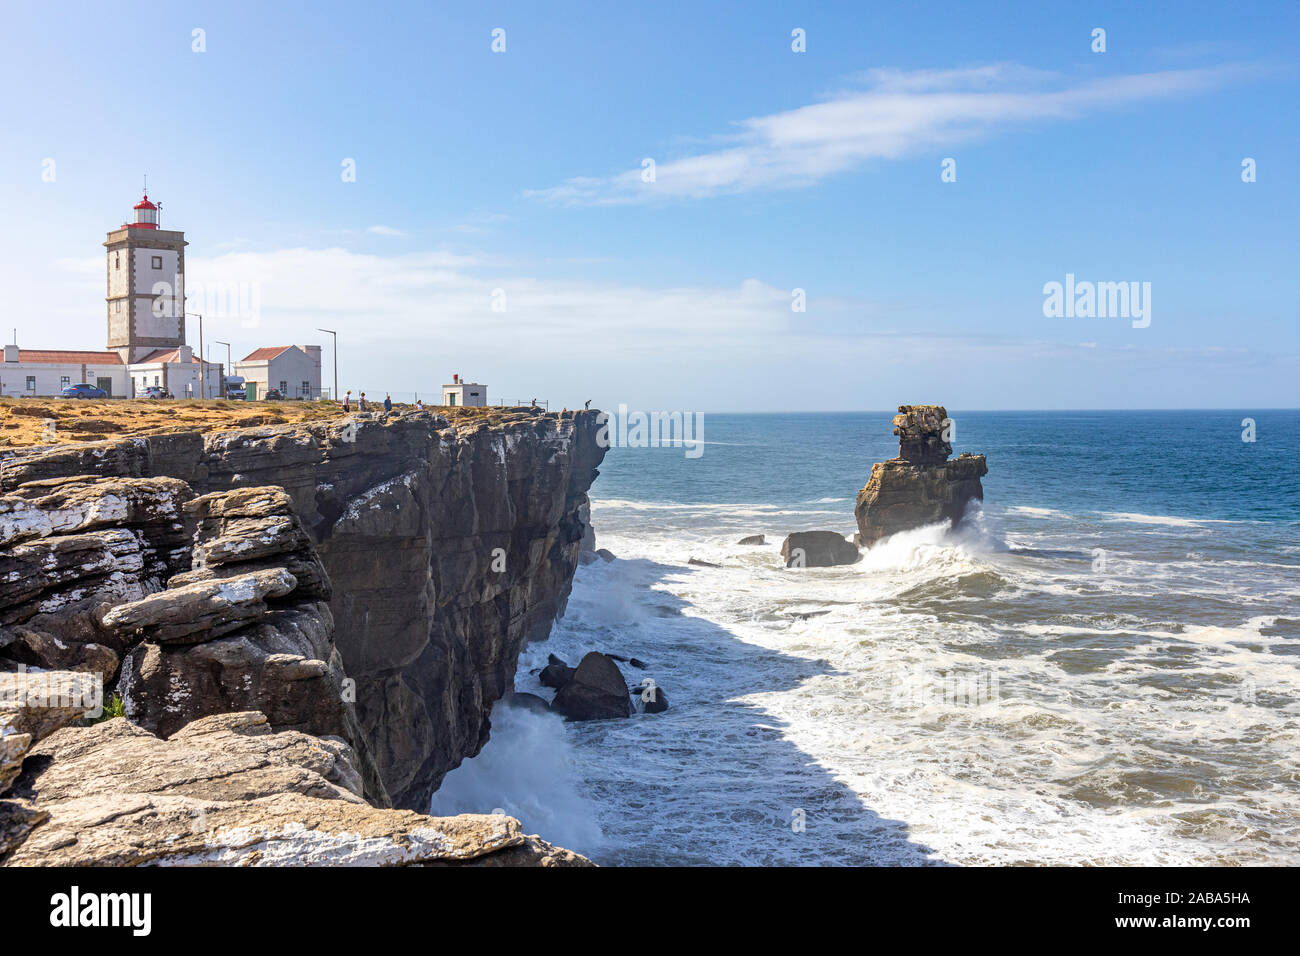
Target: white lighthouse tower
{"points": [[146, 285]]}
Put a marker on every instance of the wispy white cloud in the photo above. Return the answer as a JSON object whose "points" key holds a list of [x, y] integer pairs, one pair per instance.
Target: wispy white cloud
{"points": [[898, 113], [406, 321], [385, 231], [480, 223]]}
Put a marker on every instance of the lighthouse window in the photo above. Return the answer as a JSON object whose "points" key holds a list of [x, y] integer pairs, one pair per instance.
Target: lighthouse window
{"points": [[117, 260], [157, 262], [118, 306]]}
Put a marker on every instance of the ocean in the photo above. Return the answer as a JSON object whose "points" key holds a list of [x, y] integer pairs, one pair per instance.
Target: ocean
{"points": [[1100, 666]]}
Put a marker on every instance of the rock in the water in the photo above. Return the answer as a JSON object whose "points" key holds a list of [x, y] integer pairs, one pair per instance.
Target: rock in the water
{"points": [[528, 702], [653, 698], [753, 539], [640, 665], [596, 691], [556, 673], [921, 486], [605, 554], [701, 563], [817, 549], [920, 431]]}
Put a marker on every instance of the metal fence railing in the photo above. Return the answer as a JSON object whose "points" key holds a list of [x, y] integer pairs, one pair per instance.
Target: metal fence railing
{"points": [[435, 400]]}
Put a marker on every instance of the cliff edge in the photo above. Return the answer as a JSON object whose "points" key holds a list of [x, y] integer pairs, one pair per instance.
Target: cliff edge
{"points": [[223, 790], [372, 577]]}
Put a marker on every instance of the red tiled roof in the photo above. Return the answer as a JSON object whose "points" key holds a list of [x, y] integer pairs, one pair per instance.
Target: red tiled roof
{"points": [[159, 355], [265, 354], [165, 355], [67, 357]]}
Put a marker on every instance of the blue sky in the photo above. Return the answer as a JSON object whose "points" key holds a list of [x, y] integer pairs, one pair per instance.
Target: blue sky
{"points": [[521, 171]]}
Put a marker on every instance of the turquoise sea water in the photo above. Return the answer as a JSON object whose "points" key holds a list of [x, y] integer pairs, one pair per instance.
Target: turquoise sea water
{"points": [[1100, 666], [1189, 463]]}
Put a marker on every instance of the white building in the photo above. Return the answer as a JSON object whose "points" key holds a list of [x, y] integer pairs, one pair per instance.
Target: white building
{"points": [[146, 333], [146, 286], [464, 393], [176, 370], [146, 325], [45, 372], [293, 369]]}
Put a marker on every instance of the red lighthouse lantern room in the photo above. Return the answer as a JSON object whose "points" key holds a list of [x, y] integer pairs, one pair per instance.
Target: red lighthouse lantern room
{"points": [[146, 215]]}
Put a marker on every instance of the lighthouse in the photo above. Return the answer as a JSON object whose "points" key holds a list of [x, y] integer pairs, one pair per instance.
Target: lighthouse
{"points": [[146, 285]]}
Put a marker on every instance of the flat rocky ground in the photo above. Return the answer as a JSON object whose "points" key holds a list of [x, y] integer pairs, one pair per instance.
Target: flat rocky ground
{"points": [[48, 421]]}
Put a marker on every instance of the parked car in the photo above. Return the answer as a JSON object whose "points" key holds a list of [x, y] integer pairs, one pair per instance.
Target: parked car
{"points": [[83, 391], [274, 395], [156, 391]]}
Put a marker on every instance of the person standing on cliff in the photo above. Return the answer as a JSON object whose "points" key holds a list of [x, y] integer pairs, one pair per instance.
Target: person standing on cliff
{"points": [[587, 404], [388, 403], [347, 402], [362, 403]]}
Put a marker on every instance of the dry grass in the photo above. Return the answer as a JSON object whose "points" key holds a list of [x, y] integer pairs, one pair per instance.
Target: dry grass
{"points": [[47, 421], [44, 421]]}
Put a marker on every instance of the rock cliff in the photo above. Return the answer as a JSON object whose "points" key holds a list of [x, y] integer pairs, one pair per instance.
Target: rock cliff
{"points": [[921, 486], [372, 577], [223, 790]]}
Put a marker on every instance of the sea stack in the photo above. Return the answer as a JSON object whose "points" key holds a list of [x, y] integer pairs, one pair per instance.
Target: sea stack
{"points": [[921, 486]]}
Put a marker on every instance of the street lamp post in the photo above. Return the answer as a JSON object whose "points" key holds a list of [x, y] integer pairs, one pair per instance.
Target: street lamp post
{"points": [[227, 369], [336, 360], [203, 376]]}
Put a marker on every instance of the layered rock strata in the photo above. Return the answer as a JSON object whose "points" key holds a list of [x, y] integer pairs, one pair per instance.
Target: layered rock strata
{"points": [[413, 554], [922, 485], [228, 790], [29, 712]]}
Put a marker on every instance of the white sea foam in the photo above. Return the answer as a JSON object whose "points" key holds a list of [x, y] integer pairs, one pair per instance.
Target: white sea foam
{"points": [[524, 770], [1166, 520], [1035, 512], [736, 510], [1128, 726]]}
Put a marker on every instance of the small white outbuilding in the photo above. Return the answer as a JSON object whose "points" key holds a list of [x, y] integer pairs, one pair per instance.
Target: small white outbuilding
{"points": [[464, 393]]}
